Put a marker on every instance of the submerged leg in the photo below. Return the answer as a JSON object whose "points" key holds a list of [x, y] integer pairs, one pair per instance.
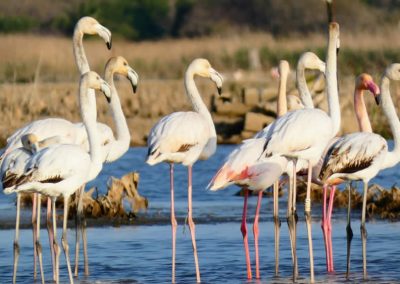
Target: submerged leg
{"points": [[243, 228], [192, 225], [64, 239], [294, 221], [84, 241], [16, 238], [55, 243], [324, 226], [38, 244], [256, 233], [307, 213], [289, 219], [34, 233], [51, 236], [277, 226], [329, 215], [349, 232], [78, 224], [364, 230], [174, 224]]}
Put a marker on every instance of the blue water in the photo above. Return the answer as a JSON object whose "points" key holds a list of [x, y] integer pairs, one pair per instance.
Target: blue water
{"points": [[142, 253]]}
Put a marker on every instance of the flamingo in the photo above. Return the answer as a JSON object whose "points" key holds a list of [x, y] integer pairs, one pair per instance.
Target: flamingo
{"points": [[360, 156], [12, 168], [60, 169], [185, 137], [363, 82], [113, 148]]}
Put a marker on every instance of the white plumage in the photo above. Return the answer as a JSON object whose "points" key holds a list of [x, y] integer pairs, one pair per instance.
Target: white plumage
{"points": [[184, 137]]}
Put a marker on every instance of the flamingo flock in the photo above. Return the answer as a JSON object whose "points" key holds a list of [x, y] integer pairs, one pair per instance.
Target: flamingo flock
{"points": [[56, 158]]}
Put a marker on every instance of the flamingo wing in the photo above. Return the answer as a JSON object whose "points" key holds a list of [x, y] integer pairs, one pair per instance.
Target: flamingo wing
{"points": [[176, 135], [352, 153]]}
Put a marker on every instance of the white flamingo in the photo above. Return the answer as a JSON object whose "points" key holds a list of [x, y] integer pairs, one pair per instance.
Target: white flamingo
{"points": [[243, 167], [61, 169], [113, 148], [304, 134], [185, 137], [360, 156], [13, 168]]}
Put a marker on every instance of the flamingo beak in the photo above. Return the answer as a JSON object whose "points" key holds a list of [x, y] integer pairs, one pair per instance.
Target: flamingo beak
{"points": [[374, 89]]}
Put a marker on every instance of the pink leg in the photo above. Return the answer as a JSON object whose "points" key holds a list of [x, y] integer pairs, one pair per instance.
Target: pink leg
{"points": [[324, 226], [329, 217], [174, 224], [256, 233], [51, 235], [191, 224], [243, 228], [34, 233]]}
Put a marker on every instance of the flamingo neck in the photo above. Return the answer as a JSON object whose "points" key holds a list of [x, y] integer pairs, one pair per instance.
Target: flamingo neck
{"points": [[302, 87], [87, 103], [199, 107], [364, 125], [392, 157], [282, 101], [79, 53], [332, 84], [123, 136]]}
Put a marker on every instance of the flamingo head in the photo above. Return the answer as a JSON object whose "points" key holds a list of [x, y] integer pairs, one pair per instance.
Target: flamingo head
{"points": [[202, 67], [120, 66], [283, 68], [310, 60], [94, 81], [30, 142], [89, 25], [365, 82]]}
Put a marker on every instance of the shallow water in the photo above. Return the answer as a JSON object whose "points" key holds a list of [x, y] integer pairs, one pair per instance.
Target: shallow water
{"points": [[142, 253]]}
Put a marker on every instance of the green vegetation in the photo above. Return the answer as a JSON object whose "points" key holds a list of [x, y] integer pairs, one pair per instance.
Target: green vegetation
{"points": [[155, 19]]}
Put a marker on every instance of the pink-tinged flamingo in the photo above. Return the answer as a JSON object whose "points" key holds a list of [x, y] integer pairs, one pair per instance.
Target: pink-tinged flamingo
{"points": [[304, 134], [185, 137], [243, 168], [360, 156], [363, 82], [60, 169]]}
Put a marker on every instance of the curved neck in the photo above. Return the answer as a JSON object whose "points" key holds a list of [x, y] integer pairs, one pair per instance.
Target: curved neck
{"points": [[332, 85], [87, 103], [388, 108], [79, 52], [302, 87], [282, 101], [197, 103], [364, 125], [123, 137]]}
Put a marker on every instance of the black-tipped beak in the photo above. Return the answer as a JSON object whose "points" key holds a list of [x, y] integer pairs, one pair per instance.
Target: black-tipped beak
{"points": [[109, 44], [337, 50], [134, 88], [378, 99], [219, 90], [108, 98]]}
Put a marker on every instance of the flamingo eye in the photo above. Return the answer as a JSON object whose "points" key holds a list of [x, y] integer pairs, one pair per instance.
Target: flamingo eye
{"points": [[125, 64], [98, 78]]}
